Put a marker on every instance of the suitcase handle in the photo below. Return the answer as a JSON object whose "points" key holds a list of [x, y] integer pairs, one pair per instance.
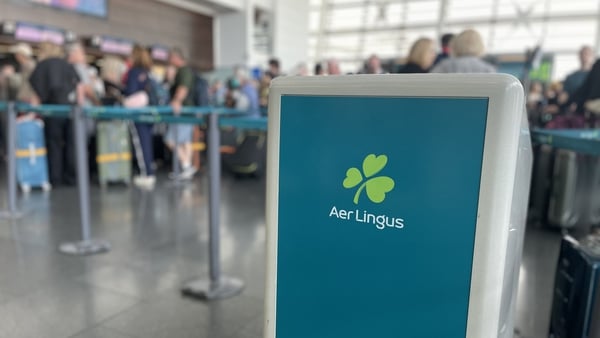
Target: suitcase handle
{"points": [[32, 153]]}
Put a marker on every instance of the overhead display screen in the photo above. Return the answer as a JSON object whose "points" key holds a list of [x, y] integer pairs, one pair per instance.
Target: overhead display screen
{"points": [[89, 7]]}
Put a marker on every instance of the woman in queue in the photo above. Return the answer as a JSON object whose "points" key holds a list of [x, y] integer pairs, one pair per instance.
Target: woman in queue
{"points": [[421, 57], [137, 87]]}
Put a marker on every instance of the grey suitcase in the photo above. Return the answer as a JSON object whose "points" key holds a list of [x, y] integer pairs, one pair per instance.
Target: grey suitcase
{"points": [[594, 199], [113, 152], [566, 209]]}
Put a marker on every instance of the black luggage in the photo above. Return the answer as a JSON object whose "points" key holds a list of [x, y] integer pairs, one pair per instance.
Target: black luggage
{"points": [[575, 308], [249, 158], [594, 196], [541, 183]]}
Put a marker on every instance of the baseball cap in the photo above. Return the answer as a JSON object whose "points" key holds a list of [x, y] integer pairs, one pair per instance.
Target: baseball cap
{"points": [[21, 48]]}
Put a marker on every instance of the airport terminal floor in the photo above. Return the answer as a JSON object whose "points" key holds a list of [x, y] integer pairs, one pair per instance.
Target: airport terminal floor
{"points": [[159, 241]]}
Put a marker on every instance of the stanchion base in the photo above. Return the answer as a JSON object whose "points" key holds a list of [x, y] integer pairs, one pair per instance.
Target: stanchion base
{"points": [[11, 215], [203, 288], [174, 184], [84, 248]]}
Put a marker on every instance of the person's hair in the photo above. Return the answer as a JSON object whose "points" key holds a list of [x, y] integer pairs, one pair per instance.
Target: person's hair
{"points": [[446, 38], [419, 50], [274, 62], [468, 43], [141, 57], [111, 68], [72, 47], [556, 86], [177, 51], [48, 50], [585, 48]]}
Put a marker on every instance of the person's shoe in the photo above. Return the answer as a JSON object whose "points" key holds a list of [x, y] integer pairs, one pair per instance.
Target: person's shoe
{"points": [[145, 182], [188, 173]]}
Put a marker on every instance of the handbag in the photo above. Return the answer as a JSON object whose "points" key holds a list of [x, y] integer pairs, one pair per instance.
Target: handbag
{"points": [[136, 100]]}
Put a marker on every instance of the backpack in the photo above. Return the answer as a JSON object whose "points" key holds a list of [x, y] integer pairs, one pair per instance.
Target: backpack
{"points": [[201, 96], [157, 95]]}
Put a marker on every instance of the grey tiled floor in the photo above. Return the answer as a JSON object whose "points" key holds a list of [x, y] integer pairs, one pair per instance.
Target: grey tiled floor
{"points": [[160, 241]]}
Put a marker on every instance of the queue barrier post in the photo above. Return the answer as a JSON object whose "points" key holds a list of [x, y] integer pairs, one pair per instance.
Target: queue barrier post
{"points": [[216, 286], [87, 245], [175, 165], [11, 165]]}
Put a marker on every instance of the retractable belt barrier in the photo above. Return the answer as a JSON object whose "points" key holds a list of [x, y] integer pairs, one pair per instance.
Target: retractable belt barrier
{"points": [[585, 141], [215, 286]]}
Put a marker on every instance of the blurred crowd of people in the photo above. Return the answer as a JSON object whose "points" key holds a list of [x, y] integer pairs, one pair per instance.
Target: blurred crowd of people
{"points": [[63, 76], [571, 103]]}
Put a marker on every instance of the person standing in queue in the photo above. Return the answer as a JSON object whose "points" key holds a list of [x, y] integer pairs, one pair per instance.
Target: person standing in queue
{"points": [[274, 68], [373, 65], [138, 80], [55, 81], [445, 41], [575, 79], [181, 95], [333, 67], [76, 57], [467, 50], [24, 56], [420, 58]]}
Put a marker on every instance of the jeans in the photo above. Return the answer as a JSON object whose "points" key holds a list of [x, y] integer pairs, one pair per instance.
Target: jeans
{"points": [[144, 131]]}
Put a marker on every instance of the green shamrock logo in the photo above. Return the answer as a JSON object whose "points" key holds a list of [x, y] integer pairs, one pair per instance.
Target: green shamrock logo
{"points": [[376, 187]]}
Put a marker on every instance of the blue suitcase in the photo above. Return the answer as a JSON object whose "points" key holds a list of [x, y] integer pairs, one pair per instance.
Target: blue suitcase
{"points": [[32, 164], [575, 308]]}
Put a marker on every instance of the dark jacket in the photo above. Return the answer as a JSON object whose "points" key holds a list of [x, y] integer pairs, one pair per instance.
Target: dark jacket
{"points": [[113, 94], [590, 89], [54, 81], [137, 79], [411, 68]]}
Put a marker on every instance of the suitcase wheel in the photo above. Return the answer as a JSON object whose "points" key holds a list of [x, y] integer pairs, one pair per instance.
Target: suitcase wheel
{"points": [[26, 188], [46, 187]]}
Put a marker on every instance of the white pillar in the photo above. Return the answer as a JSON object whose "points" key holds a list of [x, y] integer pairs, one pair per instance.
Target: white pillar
{"points": [[231, 39], [234, 34], [290, 32]]}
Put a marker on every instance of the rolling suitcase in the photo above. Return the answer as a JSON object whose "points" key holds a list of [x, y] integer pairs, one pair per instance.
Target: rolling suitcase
{"points": [[595, 324], [113, 152], [575, 308], [566, 209], [32, 164], [249, 158], [594, 212], [541, 183]]}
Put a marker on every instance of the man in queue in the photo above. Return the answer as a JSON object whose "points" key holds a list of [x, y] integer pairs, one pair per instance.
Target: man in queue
{"points": [[179, 136]]}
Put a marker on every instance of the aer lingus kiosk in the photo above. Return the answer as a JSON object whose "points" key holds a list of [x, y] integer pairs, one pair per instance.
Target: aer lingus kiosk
{"points": [[396, 206]]}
